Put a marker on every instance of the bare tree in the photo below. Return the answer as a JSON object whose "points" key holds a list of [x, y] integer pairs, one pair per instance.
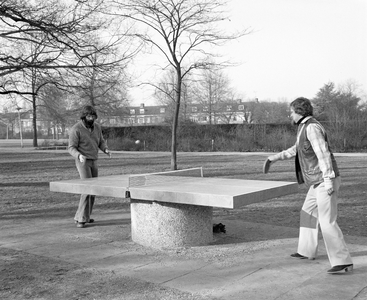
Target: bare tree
{"points": [[183, 31], [63, 28], [41, 40], [104, 87], [53, 105], [33, 80], [93, 86], [213, 91], [165, 94]]}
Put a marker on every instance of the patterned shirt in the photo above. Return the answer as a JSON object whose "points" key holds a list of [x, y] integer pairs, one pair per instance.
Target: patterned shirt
{"points": [[316, 135]]}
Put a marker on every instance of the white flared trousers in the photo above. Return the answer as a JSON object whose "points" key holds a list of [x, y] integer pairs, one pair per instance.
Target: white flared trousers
{"points": [[321, 209]]}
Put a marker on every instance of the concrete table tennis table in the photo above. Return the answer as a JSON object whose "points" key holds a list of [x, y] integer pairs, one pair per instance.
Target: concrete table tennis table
{"points": [[175, 209]]}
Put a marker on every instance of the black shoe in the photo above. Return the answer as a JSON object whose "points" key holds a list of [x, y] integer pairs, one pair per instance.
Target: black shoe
{"points": [[90, 221], [340, 269], [297, 255]]}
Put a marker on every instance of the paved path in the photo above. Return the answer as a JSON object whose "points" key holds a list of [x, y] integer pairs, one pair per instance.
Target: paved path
{"points": [[250, 261]]}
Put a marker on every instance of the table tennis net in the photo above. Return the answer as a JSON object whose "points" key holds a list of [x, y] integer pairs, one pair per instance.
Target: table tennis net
{"points": [[162, 177]]}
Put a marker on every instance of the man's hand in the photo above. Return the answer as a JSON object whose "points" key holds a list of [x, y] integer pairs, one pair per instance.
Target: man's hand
{"points": [[329, 186], [82, 158], [108, 153]]}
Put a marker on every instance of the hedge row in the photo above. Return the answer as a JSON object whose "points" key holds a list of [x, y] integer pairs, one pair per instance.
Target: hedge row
{"points": [[259, 137]]}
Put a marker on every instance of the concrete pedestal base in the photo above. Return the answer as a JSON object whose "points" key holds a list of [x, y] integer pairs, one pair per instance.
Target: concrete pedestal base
{"points": [[170, 225]]}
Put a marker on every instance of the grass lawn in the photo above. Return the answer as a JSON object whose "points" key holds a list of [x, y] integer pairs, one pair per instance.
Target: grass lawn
{"points": [[25, 176]]}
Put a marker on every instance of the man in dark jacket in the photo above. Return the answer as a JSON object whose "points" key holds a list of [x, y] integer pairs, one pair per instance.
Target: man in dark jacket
{"points": [[85, 139], [317, 169]]}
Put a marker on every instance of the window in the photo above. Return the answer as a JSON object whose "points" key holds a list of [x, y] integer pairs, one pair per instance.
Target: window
{"points": [[132, 111], [194, 109], [229, 107], [142, 110], [141, 120], [205, 108], [162, 110], [241, 107], [112, 121]]}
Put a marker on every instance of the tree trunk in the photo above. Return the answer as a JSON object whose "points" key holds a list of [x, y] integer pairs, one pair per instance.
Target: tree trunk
{"points": [[175, 121], [34, 121]]}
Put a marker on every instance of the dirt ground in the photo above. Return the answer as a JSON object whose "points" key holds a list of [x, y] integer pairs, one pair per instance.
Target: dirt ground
{"points": [[26, 276], [30, 276], [25, 196]]}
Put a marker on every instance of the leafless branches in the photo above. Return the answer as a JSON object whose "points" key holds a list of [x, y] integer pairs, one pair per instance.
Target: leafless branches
{"points": [[184, 31], [65, 34]]}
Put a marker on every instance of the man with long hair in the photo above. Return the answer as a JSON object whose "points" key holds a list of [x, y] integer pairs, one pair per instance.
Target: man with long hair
{"points": [[85, 140], [316, 167]]}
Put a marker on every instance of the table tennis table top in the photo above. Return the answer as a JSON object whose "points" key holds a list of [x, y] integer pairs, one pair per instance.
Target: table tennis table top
{"points": [[205, 191]]}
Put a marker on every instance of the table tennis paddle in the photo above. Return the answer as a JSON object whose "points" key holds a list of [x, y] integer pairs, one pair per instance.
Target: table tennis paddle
{"points": [[266, 166]]}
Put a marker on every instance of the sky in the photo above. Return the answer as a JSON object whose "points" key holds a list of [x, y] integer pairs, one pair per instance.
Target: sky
{"points": [[294, 48]]}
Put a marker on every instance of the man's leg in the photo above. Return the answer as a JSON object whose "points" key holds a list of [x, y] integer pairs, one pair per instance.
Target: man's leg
{"points": [[334, 241], [94, 173], [308, 230], [82, 214]]}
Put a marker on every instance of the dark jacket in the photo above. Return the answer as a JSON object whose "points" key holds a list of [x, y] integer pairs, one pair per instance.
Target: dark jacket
{"points": [[86, 142]]}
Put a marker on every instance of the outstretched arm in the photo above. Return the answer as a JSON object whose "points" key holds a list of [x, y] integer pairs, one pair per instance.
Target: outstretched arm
{"points": [[285, 154]]}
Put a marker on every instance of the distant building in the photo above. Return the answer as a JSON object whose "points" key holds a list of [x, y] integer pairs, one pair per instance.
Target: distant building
{"points": [[223, 113], [138, 116], [220, 113]]}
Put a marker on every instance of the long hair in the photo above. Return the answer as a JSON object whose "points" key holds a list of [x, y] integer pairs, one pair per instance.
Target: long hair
{"points": [[88, 110], [302, 106]]}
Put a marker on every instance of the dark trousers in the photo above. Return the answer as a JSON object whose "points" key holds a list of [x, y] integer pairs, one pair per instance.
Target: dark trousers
{"points": [[88, 169]]}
